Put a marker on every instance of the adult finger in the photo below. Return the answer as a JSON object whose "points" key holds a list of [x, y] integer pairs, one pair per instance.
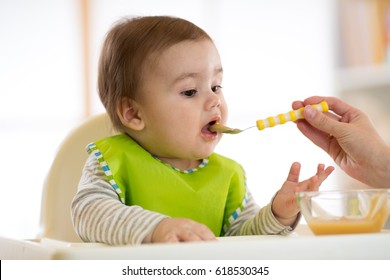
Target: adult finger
{"points": [[321, 121]]}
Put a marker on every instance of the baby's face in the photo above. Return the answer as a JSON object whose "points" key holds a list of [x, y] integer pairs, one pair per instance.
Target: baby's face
{"points": [[180, 96]]}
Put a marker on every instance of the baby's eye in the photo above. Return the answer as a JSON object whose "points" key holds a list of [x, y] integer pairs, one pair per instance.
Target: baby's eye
{"points": [[216, 89], [189, 93]]}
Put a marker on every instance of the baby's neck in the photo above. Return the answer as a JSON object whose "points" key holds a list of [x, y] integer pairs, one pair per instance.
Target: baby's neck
{"points": [[178, 163], [182, 164]]}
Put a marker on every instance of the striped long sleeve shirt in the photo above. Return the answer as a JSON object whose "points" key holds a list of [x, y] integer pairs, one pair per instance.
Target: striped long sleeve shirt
{"points": [[98, 215]]}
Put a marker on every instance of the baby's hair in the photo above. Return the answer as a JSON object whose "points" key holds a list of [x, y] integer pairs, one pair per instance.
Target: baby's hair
{"points": [[126, 50]]}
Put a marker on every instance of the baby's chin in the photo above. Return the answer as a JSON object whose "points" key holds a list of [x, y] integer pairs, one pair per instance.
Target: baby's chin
{"points": [[207, 153]]}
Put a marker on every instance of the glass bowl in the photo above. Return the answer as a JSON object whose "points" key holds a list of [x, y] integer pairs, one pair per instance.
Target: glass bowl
{"points": [[345, 211]]}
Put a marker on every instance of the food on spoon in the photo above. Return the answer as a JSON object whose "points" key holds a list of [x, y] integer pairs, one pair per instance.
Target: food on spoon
{"points": [[217, 127]]}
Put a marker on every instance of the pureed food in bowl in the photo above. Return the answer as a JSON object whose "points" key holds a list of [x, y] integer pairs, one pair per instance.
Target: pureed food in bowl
{"points": [[345, 211]]}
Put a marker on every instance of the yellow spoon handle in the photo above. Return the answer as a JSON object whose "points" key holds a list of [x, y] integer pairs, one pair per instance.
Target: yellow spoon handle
{"points": [[289, 116]]}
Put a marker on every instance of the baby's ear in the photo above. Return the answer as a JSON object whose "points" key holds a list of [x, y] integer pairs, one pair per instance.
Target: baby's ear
{"points": [[129, 114]]}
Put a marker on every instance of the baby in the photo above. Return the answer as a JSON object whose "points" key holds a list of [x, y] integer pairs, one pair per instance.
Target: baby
{"points": [[159, 180]]}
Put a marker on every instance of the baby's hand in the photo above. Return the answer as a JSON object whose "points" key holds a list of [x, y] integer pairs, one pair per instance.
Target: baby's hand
{"points": [[179, 230], [285, 206]]}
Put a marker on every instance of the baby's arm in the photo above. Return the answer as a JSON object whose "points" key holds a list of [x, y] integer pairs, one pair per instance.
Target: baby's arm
{"points": [[269, 219], [99, 216], [255, 221]]}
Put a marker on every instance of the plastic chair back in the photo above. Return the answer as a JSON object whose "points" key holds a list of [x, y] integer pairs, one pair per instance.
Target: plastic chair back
{"points": [[61, 183]]}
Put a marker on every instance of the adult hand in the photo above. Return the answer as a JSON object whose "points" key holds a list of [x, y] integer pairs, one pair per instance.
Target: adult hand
{"points": [[348, 136]]}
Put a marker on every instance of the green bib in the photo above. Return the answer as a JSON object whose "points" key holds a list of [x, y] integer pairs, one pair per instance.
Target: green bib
{"points": [[212, 194]]}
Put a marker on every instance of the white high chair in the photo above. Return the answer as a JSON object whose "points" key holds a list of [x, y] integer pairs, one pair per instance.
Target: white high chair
{"points": [[61, 183], [57, 239]]}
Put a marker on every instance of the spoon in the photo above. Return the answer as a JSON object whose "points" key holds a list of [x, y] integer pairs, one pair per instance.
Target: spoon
{"points": [[270, 121]]}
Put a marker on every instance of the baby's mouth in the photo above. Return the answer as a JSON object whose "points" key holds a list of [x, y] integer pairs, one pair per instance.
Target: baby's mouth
{"points": [[206, 128]]}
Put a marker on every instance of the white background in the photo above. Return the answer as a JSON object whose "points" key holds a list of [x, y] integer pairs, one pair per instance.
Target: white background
{"points": [[273, 52]]}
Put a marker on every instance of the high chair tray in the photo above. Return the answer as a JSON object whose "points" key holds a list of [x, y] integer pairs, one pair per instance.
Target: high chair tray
{"points": [[299, 245]]}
